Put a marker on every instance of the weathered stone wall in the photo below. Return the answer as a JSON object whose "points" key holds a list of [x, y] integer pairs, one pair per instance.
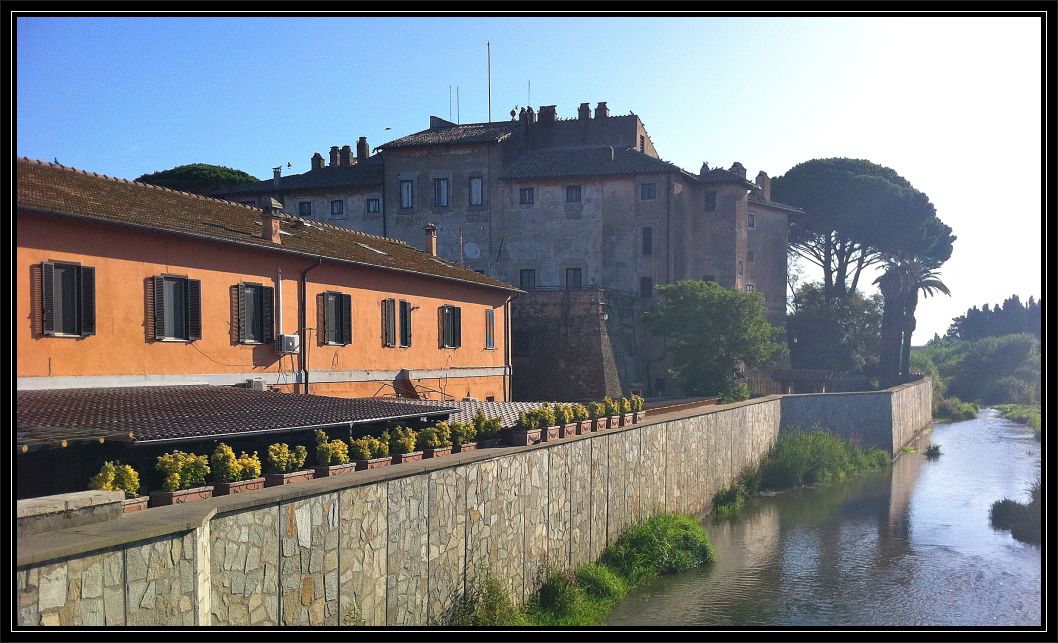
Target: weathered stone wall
{"points": [[61, 511]]}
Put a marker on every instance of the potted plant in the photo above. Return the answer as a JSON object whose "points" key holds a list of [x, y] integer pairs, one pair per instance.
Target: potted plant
{"points": [[625, 406], [582, 418], [114, 476], [435, 441], [185, 477], [487, 431], [597, 413], [613, 412], [370, 452], [235, 475], [637, 409], [564, 419], [463, 434], [402, 442], [545, 418], [285, 465], [332, 456], [526, 431]]}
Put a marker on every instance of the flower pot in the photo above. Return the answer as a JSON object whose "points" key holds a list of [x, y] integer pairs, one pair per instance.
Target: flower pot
{"points": [[278, 479], [401, 458], [162, 498], [436, 453], [335, 470], [139, 503], [584, 426], [568, 430], [614, 422], [638, 416], [463, 448], [522, 437], [373, 463], [626, 419], [239, 486], [598, 424], [490, 443], [550, 434]]}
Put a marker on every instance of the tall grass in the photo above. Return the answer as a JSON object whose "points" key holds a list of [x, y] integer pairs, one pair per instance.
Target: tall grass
{"points": [[955, 410], [1024, 414], [1023, 520]]}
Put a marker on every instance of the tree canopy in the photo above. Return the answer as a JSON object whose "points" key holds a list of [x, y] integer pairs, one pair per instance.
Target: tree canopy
{"points": [[711, 330], [198, 178], [840, 335], [1012, 317]]}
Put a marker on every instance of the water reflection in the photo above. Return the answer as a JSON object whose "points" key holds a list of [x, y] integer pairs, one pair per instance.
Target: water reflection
{"points": [[909, 546]]}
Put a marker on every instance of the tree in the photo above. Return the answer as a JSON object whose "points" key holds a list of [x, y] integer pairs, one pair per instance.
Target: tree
{"points": [[711, 331], [1010, 318], [833, 334], [198, 178], [857, 214], [921, 276]]}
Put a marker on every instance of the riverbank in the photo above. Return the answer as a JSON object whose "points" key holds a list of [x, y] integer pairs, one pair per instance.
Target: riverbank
{"points": [[1023, 414]]}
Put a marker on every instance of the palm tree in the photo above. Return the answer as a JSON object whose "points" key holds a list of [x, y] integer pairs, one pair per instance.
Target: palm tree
{"points": [[921, 275], [891, 285]]}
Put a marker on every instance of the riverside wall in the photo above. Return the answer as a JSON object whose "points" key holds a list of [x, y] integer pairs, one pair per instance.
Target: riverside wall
{"points": [[398, 545]]}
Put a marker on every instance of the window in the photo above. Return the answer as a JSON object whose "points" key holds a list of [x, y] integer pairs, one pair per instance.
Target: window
{"points": [[710, 201], [525, 196], [573, 281], [450, 326], [750, 288], [68, 302], [389, 322], [490, 328], [475, 190], [177, 308], [752, 223], [749, 256], [440, 193], [527, 279], [338, 208], [648, 241], [337, 318], [646, 287], [405, 323], [305, 209], [374, 206], [407, 192], [256, 307], [572, 193], [648, 191]]}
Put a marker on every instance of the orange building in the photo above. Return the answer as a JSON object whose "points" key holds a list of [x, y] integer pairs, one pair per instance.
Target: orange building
{"points": [[125, 284]]}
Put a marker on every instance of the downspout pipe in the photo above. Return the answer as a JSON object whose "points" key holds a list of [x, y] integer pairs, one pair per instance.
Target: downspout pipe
{"points": [[303, 352], [507, 349]]}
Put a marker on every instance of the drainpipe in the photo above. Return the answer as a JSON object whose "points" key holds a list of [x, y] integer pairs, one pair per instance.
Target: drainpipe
{"points": [[384, 195], [507, 349], [303, 355], [279, 299]]}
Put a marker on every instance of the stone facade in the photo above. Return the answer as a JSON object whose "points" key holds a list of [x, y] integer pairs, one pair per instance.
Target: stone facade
{"points": [[244, 566], [161, 582], [79, 591], [308, 569], [362, 554]]}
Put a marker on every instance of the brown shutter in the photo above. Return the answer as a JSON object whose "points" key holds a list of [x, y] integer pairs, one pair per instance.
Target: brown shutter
{"points": [[194, 309], [347, 319], [456, 327], [441, 327], [159, 308], [242, 313], [321, 318], [268, 303], [47, 300], [88, 300], [385, 310]]}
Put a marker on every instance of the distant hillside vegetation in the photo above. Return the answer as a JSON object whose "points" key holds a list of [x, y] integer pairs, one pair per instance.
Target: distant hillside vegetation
{"points": [[199, 178]]}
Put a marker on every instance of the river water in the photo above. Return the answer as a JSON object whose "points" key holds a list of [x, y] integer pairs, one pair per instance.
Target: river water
{"points": [[909, 546]]}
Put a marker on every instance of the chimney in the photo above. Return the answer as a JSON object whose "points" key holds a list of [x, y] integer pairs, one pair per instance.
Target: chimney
{"points": [[345, 156], [764, 182], [363, 150], [431, 239], [547, 113], [601, 110], [316, 162], [705, 169], [530, 115], [737, 168], [270, 221], [277, 172], [334, 155], [583, 112]]}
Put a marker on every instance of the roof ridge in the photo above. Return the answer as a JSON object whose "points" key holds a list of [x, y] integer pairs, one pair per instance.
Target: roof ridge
{"points": [[351, 231]]}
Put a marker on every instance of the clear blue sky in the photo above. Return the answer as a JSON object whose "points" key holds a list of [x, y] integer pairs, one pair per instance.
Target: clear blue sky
{"points": [[952, 104]]}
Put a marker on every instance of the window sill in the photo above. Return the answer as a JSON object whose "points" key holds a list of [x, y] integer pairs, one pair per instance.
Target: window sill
{"points": [[174, 340], [65, 335], [335, 344]]}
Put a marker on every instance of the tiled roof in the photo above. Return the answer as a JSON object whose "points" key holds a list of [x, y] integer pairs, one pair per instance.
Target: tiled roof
{"points": [[70, 192], [506, 411], [365, 174], [586, 161], [755, 197], [720, 175], [155, 414], [455, 135]]}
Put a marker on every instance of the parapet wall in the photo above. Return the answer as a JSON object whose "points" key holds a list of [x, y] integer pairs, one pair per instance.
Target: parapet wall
{"points": [[397, 545]]}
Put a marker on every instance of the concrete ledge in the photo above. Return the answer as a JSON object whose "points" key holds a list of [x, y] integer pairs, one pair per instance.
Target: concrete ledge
{"points": [[49, 513]]}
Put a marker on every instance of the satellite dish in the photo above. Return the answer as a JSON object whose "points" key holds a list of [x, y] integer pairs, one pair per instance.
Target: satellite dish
{"points": [[471, 250]]}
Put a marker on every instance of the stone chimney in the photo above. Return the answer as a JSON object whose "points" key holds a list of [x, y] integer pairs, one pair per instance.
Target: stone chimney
{"points": [[583, 112], [764, 183], [334, 155], [277, 173], [601, 110], [316, 162], [530, 115], [345, 155], [431, 239], [547, 113], [270, 221], [737, 168], [363, 150]]}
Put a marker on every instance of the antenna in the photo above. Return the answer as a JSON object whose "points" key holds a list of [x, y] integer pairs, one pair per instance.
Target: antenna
{"points": [[449, 102], [488, 44], [529, 96], [457, 105]]}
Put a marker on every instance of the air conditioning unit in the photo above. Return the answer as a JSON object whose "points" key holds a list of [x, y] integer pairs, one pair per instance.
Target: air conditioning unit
{"points": [[288, 344]]}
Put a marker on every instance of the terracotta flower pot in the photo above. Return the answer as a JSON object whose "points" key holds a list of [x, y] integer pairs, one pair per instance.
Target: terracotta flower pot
{"points": [[550, 434], [139, 503], [373, 463], [523, 437], [584, 426], [401, 458], [598, 424], [466, 446], [567, 430], [279, 479], [335, 470], [638, 416], [626, 419], [162, 498], [239, 486], [614, 422], [436, 453]]}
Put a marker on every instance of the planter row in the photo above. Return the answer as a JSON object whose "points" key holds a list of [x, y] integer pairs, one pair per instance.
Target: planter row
{"points": [[525, 437]]}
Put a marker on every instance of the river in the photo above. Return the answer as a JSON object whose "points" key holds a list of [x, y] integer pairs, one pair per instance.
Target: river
{"points": [[906, 547]]}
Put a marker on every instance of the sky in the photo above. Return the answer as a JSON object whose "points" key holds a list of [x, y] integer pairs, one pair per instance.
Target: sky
{"points": [[953, 104]]}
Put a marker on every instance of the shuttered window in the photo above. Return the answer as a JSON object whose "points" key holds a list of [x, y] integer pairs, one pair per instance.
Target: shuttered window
{"points": [[475, 191], [177, 308], [338, 318], [389, 322], [68, 299], [449, 321], [490, 328], [405, 323], [256, 309]]}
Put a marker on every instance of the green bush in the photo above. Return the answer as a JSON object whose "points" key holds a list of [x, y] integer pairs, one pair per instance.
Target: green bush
{"points": [[182, 470], [580, 413], [486, 428], [611, 406], [734, 391], [330, 452], [368, 448], [485, 604], [462, 432], [402, 440], [282, 459], [563, 413], [956, 410], [637, 403], [805, 458], [114, 476], [599, 581], [597, 410], [435, 437], [625, 405], [227, 468], [663, 544]]}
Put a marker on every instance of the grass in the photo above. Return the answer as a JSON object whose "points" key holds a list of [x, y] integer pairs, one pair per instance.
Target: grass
{"points": [[1023, 414], [1023, 520], [932, 451], [953, 409], [663, 544]]}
